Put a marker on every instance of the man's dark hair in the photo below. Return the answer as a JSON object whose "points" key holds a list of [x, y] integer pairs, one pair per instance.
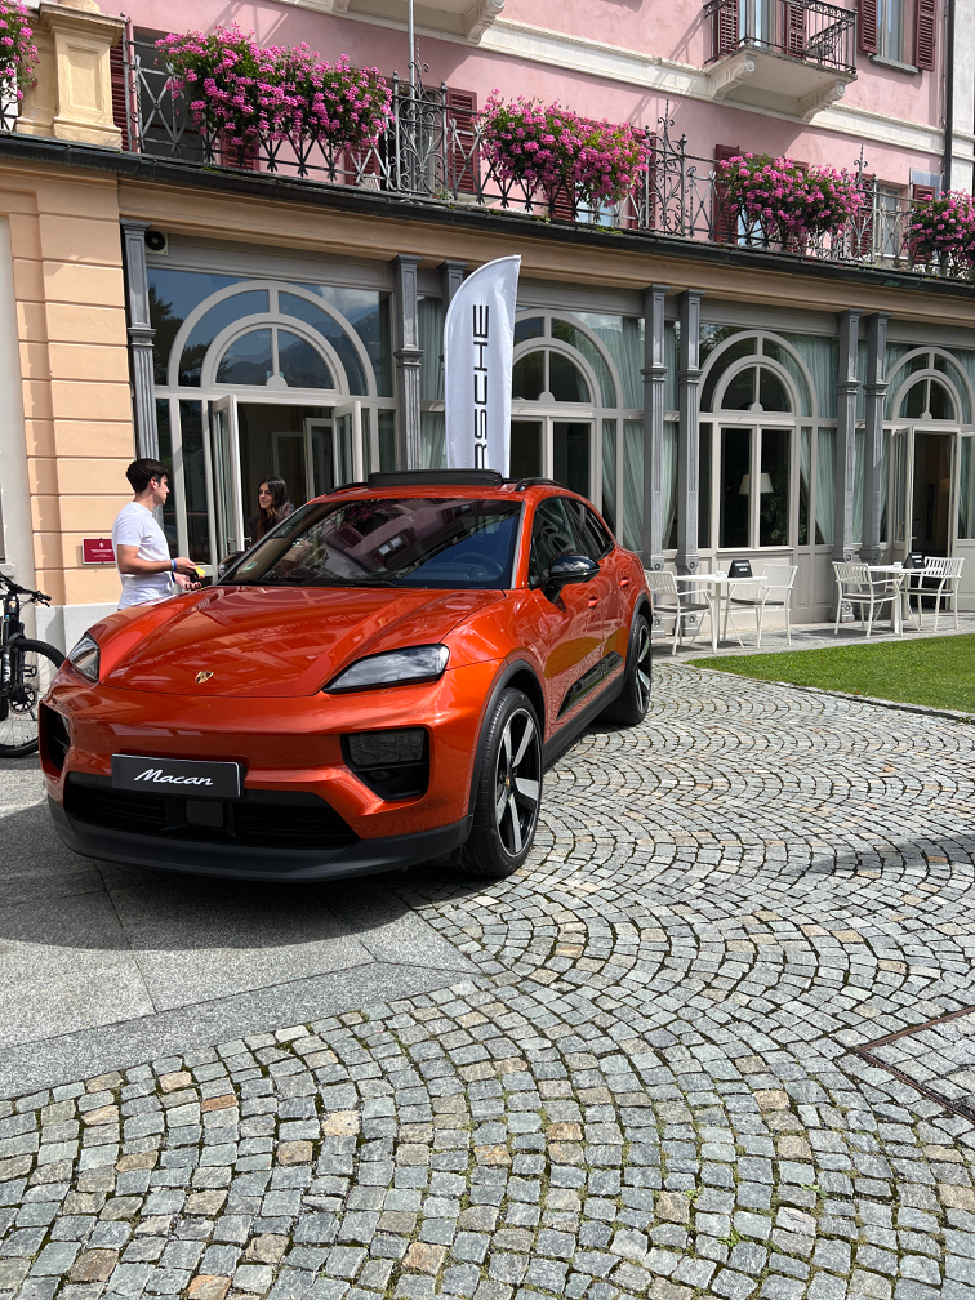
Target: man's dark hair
{"points": [[143, 470]]}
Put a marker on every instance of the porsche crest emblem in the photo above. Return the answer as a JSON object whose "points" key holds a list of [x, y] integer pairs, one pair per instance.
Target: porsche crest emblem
{"points": [[203, 677]]}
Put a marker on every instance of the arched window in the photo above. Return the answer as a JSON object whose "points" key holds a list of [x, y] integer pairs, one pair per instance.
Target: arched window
{"points": [[258, 376], [928, 384], [758, 387]]}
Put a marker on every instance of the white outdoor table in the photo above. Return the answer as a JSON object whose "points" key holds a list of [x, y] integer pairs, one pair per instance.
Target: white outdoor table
{"points": [[895, 571], [722, 587]]}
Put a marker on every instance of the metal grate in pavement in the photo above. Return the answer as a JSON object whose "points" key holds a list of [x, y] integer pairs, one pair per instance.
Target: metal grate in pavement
{"points": [[937, 1058]]}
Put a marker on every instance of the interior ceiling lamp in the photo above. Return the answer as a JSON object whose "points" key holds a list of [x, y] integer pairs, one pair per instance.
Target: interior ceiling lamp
{"points": [[765, 485]]}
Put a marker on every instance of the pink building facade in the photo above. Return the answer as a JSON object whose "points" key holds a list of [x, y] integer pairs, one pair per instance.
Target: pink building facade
{"points": [[717, 394]]}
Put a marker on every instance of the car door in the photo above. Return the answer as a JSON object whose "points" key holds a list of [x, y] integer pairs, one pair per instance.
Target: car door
{"points": [[564, 639], [605, 603]]}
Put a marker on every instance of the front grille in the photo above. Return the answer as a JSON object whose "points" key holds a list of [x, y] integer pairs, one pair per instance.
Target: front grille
{"points": [[262, 819], [119, 810]]}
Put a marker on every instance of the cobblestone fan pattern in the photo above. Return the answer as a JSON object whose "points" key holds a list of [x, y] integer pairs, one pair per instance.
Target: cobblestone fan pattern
{"points": [[648, 1089], [940, 1058]]}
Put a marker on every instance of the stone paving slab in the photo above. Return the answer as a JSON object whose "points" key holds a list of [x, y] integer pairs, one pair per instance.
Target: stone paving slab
{"points": [[645, 1087]]}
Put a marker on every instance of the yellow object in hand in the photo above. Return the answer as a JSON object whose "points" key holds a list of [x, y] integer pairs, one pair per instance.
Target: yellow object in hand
{"points": [[200, 573]]}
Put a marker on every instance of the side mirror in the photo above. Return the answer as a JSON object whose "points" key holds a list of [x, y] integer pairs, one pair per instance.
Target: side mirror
{"points": [[228, 563], [566, 570]]}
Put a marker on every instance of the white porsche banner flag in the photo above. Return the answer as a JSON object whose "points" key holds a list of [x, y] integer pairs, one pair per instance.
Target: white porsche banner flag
{"points": [[478, 341]]}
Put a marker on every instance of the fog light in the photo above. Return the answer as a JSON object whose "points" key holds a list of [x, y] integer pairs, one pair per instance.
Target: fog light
{"points": [[394, 764], [387, 748]]}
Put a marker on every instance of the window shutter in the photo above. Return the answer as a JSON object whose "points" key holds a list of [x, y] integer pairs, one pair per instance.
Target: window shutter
{"points": [[726, 27], [868, 25], [463, 159], [922, 193], [724, 217], [117, 71], [795, 30], [924, 34]]}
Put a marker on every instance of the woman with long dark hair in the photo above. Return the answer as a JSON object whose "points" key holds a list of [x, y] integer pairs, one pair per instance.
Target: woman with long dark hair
{"points": [[272, 506]]}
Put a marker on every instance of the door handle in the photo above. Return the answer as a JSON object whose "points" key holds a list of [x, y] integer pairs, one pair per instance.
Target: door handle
{"points": [[624, 582], [593, 602]]}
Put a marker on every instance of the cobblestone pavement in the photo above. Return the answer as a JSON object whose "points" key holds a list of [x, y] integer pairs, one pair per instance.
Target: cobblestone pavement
{"points": [[647, 1088]]}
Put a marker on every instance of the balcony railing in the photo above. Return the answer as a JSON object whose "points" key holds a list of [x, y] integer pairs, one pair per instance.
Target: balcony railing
{"points": [[432, 154], [810, 31]]}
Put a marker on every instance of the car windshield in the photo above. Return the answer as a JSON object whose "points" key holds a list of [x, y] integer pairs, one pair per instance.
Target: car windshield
{"points": [[397, 542]]}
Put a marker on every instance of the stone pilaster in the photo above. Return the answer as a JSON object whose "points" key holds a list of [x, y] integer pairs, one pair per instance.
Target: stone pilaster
{"points": [[688, 439], [654, 376], [846, 411], [451, 278], [141, 334], [408, 355], [73, 96], [875, 394]]}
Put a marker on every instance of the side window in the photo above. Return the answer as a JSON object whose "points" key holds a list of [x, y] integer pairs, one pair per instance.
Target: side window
{"points": [[552, 535], [594, 540]]}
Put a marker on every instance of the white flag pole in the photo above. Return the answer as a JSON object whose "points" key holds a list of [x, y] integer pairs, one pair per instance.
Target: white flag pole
{"points": [[478, 343]]}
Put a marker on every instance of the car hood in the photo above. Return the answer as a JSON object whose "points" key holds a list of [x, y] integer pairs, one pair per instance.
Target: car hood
{"points": [[270, 641]]}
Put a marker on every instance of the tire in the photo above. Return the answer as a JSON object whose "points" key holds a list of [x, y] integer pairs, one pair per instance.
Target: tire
{"points": [[510, 778], [631, 705], [33, 665]]}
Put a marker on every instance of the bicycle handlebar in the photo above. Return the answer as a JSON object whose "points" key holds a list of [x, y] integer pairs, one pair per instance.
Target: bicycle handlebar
{"points": [[36, 597]]}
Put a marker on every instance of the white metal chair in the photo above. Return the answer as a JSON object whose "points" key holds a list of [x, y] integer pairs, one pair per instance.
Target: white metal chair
{"points": [[777, 578], [947, 574], [669, 600], [856, 585]]}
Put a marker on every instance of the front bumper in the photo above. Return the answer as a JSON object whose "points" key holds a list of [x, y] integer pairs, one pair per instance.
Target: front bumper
{"points": [[245, 863]]}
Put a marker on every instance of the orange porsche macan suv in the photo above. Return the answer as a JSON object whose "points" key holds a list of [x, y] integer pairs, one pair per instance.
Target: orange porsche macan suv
{"points": [[380, 681]]}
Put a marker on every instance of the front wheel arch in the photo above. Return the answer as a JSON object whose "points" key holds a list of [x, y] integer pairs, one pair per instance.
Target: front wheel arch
{"points": [[517, 673]]}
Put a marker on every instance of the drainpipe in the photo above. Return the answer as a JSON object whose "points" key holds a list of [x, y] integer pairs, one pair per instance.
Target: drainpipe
{"points": [[949, 94]]}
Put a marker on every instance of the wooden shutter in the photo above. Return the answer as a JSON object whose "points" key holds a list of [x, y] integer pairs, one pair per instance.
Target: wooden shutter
{"points": [[868, 26], [795, 30], [724, 216], [463, 160], [116, 65], [726, 27], [922, 193], [925, 29]]}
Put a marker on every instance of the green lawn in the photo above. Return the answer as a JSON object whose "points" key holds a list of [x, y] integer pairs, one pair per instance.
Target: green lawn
{"points": [[939, 671]]}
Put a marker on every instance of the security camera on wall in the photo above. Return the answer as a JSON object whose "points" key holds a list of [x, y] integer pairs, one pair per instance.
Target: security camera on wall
{"points": [[157, 242]]}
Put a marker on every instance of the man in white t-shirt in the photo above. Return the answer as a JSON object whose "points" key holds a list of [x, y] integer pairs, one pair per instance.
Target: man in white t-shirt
{"points": [[141, 550]]}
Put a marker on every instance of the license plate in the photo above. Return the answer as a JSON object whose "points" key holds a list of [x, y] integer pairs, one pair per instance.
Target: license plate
{"points": [[176, 776]]}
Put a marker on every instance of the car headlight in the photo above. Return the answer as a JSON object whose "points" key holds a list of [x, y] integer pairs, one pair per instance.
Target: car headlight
{"points": [[85, 657], [417, 663]]}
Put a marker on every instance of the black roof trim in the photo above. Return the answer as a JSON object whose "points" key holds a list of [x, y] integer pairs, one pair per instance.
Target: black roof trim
{"points": [[436, 478]]}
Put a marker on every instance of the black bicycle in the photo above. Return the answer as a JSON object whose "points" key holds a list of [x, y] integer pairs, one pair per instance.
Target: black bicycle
{"points": [[27, 669]]}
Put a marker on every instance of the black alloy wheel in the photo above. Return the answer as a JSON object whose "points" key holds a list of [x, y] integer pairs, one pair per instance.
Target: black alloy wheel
{"points": [[509, 791]]}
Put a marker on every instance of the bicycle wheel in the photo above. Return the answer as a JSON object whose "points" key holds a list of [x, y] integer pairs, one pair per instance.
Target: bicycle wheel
{"points": [[33, 665]]}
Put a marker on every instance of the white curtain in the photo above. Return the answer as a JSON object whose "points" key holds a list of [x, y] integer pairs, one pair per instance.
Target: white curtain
{"points": [[433, 440], [609, 473], [430, 315], [670, 485], [622, 337], [633, 484], [805, 475], [825, 486], [672, 361], [819, 354], [859, 445], [965, 494]]}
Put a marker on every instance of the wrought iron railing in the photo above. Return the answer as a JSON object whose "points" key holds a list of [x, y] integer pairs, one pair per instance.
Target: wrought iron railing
{"points": [[432, 153], [807, 30]]}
